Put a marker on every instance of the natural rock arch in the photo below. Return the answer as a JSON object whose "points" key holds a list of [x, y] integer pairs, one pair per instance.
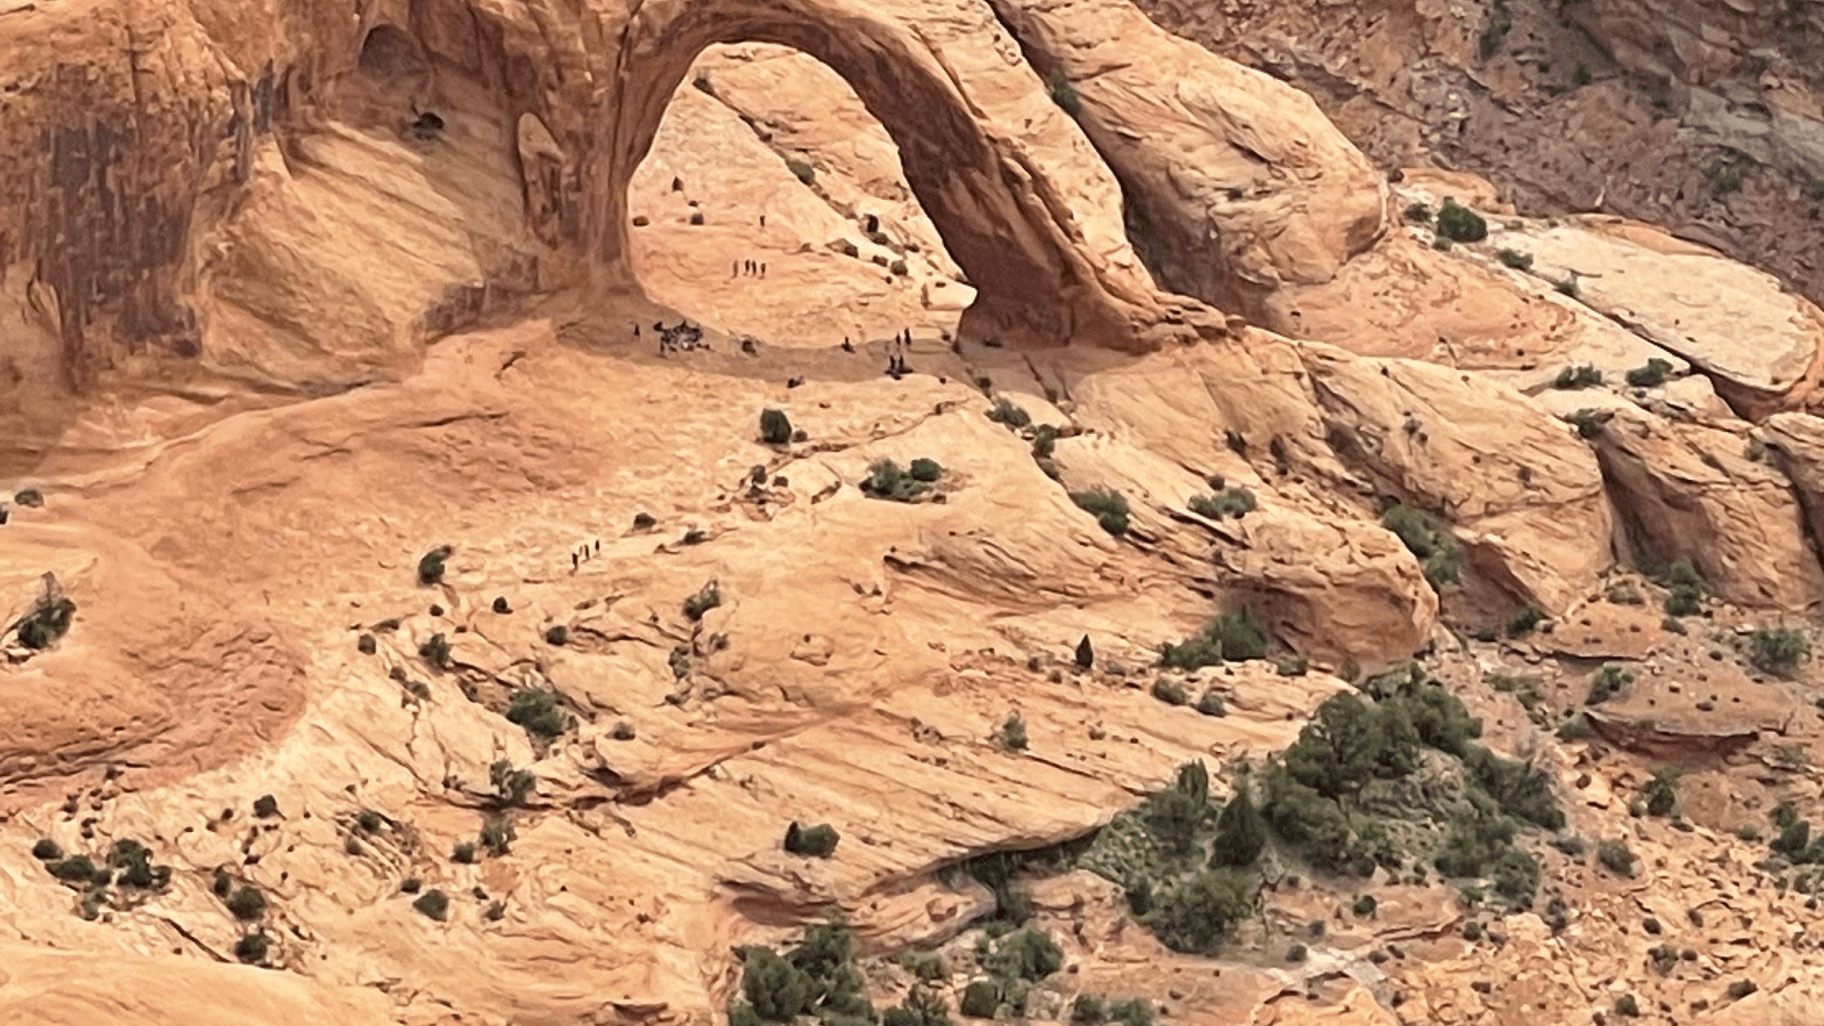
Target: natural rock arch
{"points": [[1001, 219]]}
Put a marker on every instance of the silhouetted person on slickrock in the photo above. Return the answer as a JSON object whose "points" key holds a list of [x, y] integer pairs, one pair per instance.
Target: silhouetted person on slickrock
{"points": [[1086, 656], [847, 346]]}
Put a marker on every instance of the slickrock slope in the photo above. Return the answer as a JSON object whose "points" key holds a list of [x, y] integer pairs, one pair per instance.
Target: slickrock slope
{"points": [[460, 653]]}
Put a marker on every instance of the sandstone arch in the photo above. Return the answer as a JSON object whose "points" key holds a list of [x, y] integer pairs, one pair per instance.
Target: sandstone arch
{"points": [[1000, 218]]}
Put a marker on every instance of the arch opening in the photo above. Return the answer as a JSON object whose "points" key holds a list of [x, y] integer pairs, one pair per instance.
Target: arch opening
{"points": [[773, 203]]}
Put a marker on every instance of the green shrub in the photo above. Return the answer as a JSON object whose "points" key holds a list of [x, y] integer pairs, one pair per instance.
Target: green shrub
{"points": [[927, 966], [497, 835], [558, 635], [251, 948], [801, 170], [430, 565], [1088, 1010], [1012, 735], [921, 1008], [1365, 906], [1478, 836], [247, 903], [464, 853], [47, 850], [1778, 649], [1168, 692], [1652, 375], [1627, 1005], [1516, 876], [1518, 789], [436, 651], [1241, 832], [1030, 954], [1172, 817], [1580, 376], [1195, 916], [1460, 224], [1661, 791], [775, 427], [817, 841], [703, 601], [1231, 502], [1429, 542], [886, 480], [1063, 93], [1235, 637], [1588, 423], [433, 903], [1524, 621], [1236, 441], [75, 869], [29, 497], [512, 785], [1109, 507], [1609, 681], [1514, 259], [1296, 953], [1348, 743], [1616, 857], [925, 470], [536, 710], [980, 999], [1418, 213], [1741, 989], [1132, 1012], [1567, 287], [1574, 728], [49, 620], [134, 860], [1793, 840], [1006, 412], [1211, 704]]}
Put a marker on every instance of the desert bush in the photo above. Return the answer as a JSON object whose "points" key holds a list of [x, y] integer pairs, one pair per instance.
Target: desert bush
{"points": [[1524, 621], [1235, 637], [497, 835], [558, 635], [1478, 836], [436, 651], [1580, 376], [801, 170], [1241, 832], [925, 470], [536, 710], [1430, 543], [886, 480], [1029, 954], [1778, 649], [1518, 789], [431, 565], [1172, 818], [47, 850], [75, 869], [1063, 93], [1627, 1005], [1574, 728], [464, 853], [1652, 375], [703, 601], [1196, 915], [817, 841], [511, 785], [1088, 1010], [921, 1008], [1418, 213], [1132, 1012], [1230, 502], [433, 903], [1211, 704], [1012, 735], [1589, 423], [1606, 683], [1348, 743], [1514, 259], [1568, 287], [247, 903], [1516, 876], [1006, 412], [1661, 791], [775, 427], [1616, 857], [1109, 508], [1169, 692], [1365, 906], [251, 948], [980, 999], [1460, 224]]}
